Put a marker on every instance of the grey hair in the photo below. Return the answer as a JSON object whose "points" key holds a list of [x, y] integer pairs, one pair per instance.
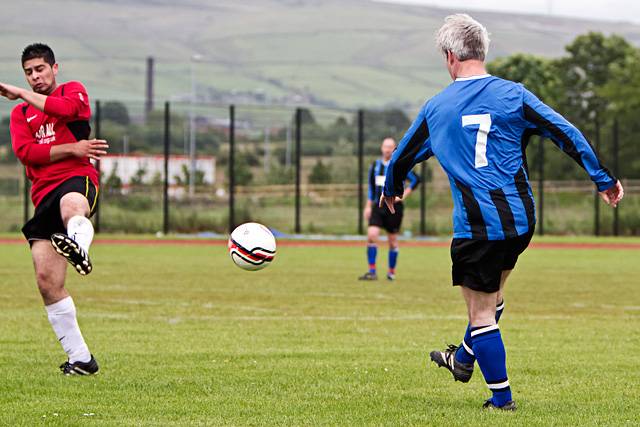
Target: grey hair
{"points": [[463, 36]]}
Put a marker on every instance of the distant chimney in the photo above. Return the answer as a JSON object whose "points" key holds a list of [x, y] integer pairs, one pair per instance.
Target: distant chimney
{"points": [[148, 105]]}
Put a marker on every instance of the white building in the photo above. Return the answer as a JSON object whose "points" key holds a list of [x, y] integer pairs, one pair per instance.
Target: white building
{"points": [[126, 167]]}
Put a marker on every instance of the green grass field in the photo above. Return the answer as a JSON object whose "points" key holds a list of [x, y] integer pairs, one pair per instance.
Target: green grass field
{"points": [[186, 338]]}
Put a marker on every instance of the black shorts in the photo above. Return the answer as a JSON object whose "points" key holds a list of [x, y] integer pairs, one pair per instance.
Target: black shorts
{"points": [[382, 217], [478, 264], [47, 219]]}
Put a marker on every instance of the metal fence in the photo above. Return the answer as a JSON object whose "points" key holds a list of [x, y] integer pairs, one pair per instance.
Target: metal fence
{"points": [[202, 168]]}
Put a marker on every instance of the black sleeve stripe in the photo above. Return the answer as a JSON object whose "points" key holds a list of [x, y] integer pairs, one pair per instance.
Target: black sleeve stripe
{"points": [[372, 179], [557, 134], [474, 214], [405, 162], [524, 143], [523, 191], [505, 213]]}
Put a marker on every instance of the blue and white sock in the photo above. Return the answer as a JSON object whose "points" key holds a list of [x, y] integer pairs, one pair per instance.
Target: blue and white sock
{"points": [[492, 359], [465, 352], [372, 253], [393, 260]]}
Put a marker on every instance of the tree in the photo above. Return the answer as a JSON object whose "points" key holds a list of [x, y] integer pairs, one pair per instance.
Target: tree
{"points": [[242, 169], [307, 117], [535, 73], [138, 176], [116, 112], [185, 178], [113, 184], [320, 174], [586, 71]]}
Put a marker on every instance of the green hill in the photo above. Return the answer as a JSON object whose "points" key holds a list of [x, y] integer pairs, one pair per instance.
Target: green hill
{"points": [[335, 53]]}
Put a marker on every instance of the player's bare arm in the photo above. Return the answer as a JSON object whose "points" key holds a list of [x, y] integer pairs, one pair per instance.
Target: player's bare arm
{"points": [[367, 210], [93, 149], [389, 201], [13, 93]]}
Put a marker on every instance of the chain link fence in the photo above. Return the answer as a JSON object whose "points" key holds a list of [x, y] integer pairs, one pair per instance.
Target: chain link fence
{"points": [[189, 167]]}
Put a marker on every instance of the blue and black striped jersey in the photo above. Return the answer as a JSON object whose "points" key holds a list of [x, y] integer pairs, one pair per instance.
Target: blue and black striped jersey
{"points": [[478, 128], [377, 178]]}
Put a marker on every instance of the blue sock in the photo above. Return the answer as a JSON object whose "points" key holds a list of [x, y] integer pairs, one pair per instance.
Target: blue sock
{"points": [[492, 359], [372, 253], [393, 260], [465, 352]]}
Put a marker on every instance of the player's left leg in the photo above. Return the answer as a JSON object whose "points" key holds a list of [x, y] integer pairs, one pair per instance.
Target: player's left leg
{"points": [[74, 246], [393, 255]]}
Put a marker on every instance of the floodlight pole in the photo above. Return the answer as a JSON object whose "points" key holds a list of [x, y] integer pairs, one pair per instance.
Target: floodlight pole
{"points": [[298, 168], [192, 125], [165, 192], [596, 198], [98, 122], [232, 160], [616, 172], [192, 132]]}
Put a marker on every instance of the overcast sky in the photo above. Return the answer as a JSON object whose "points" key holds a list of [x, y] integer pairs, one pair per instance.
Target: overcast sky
{"points": [[614, 10]]}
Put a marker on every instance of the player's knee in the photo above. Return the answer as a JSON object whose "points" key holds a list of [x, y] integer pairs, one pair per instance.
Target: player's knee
{"points": [[45, 284], [482, 318], [73, 204]]}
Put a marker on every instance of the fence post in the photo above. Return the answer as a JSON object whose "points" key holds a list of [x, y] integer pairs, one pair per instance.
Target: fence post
{"points": [[596, 196], [25, 196], [165, 192], [616, 172], [98, 120], [360, 170], [541, 185], [423, 199], [298, 158], [232, 159]]}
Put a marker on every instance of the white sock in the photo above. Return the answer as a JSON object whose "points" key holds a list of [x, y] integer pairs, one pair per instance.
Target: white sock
{"points": [[62, 316], [80, 229]]}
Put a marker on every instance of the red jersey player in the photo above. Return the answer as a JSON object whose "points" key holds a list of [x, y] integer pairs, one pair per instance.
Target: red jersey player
{"points": [[49, 133]]}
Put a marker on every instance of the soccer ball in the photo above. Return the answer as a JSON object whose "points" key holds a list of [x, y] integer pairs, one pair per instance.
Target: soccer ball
{"points": [[252, 246]]}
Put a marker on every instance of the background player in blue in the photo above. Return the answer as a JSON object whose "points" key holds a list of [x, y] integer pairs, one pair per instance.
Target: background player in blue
{"points": [[477, 128], [379, 216]]}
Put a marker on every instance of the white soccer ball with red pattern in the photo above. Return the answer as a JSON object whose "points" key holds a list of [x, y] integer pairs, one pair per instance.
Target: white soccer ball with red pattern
{"points": [[252, 246]]}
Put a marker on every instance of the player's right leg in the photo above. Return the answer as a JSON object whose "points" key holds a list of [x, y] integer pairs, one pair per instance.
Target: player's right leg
{"points": [[74, 245], [460, 359], [373, 235], [488, 346], [50, 272], [393, 255]]}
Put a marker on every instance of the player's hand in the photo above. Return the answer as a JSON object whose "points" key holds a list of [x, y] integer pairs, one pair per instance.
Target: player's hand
{"points": [[613, 195], [92, 148], [10, 92], [397, 199], [367, 213], [389, 201]]}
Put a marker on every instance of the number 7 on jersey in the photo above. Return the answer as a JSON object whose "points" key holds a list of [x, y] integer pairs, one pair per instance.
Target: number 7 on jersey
{"points": [[484, 120]]}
